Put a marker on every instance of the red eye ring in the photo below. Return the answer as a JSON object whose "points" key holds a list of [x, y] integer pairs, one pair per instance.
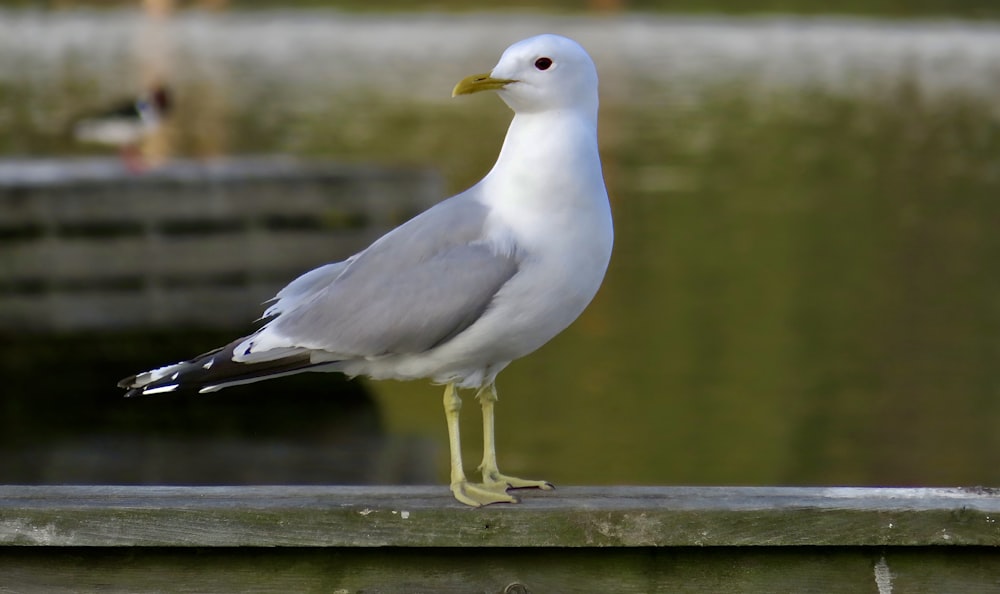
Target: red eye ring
{"points": [[543, 63]]}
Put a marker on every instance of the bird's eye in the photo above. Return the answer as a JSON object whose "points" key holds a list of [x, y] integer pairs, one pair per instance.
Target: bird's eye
{"points": [[543, 63]]}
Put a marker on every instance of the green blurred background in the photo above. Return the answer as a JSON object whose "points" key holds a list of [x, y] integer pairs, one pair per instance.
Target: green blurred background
{"points": [[805, 284]]}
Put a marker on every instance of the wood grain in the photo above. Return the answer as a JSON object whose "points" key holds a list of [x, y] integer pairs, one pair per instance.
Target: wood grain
{"points": [[418, 539], [310, 516]]}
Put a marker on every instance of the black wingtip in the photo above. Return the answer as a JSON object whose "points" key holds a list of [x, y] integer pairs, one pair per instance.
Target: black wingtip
{"points": [[210, 372]]}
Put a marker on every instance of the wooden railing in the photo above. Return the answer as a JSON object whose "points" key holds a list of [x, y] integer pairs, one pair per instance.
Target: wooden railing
{"points": [[87, 245], [578, 539]]}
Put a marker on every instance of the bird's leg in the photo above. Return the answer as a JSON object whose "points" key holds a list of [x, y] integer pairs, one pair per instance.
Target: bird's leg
{"points": [[467, 493], [487, 396], [133, 159]]}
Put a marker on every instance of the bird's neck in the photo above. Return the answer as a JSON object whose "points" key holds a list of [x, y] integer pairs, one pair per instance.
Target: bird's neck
{"points": [[539, 146], [548, 172], [551, 125]]}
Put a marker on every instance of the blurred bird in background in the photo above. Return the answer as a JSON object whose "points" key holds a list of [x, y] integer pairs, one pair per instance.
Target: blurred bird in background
{"points": [[127, 124]]}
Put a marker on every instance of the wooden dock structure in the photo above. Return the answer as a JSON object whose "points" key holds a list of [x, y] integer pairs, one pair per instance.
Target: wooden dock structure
{"points": [[575, 539], [105, 271], [90, 246]]}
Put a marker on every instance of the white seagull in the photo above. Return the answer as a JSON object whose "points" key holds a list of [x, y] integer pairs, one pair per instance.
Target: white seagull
{"points": [[461, 290]]}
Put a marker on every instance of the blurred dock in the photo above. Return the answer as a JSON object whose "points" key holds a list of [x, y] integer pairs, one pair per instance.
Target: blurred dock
{"points": [[577, 539], [105, 272], [90, 246]]}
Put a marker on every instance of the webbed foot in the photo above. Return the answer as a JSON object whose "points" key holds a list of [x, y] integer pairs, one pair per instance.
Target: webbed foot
{"points": [[496, 478], [480, 494]]}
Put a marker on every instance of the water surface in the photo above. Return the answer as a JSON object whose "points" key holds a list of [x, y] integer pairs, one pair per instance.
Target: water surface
{"points": [[805, 285]]}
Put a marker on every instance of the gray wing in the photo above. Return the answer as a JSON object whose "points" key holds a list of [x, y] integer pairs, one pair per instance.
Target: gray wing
{"points": [[415, 288], [305, 288]]}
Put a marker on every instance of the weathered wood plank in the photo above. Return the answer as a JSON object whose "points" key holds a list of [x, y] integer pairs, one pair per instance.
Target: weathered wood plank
{"points": [[418, 539], [286, 516], [35, 189], [149, 259], [930, 570], [204, 307]]}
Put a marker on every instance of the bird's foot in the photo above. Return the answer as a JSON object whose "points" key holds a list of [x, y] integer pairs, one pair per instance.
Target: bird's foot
{"points": [[480, 494], [495, 479]]}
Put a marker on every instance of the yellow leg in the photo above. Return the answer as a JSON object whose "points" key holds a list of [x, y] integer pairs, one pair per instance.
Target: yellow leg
{"points": [[491, 474], [467, 493]]}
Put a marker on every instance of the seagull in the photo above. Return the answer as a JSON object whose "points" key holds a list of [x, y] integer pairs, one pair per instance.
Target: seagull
{"points": [[126, 124], [460, 291]]}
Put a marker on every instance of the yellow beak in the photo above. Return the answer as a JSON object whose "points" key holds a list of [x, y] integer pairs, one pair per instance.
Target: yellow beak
{"points": [[479, 82]]}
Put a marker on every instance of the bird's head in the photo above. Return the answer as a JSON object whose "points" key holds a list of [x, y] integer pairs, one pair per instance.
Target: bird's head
{"points": [[540, 73]]}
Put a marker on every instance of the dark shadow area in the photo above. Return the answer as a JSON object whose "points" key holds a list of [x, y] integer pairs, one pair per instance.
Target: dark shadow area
{"points": [[64, 421], [491, 569]]}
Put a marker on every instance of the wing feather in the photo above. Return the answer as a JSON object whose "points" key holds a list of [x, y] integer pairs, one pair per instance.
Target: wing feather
{"points": [[415, 288]]}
